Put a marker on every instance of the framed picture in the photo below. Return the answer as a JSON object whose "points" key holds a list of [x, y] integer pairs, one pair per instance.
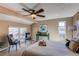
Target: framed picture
{"points": [[43, 28]]}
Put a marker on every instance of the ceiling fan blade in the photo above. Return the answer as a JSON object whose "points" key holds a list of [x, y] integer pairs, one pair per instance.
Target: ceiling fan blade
{"points": [[41, 15], [39, 11], [26, 10], [26, 15]]}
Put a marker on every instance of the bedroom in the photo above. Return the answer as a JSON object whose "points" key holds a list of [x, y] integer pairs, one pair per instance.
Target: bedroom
{"points": [[60, 19]]}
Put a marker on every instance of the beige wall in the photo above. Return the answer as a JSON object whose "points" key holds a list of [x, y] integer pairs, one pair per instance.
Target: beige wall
{"points": [[53, 28], [4, 25], [69, 32], [75, 21]]}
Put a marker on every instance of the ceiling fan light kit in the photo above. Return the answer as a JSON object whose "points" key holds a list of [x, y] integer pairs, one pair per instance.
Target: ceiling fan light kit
{"points": [[33, 15]]}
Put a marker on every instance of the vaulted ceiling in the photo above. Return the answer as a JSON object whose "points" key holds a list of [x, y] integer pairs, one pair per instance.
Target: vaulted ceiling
{"points": [[52, 10]]}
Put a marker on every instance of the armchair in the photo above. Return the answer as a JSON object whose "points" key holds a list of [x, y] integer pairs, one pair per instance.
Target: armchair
{"points": [[12, 42]]}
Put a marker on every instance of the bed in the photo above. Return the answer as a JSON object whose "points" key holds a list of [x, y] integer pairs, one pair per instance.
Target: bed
{"points": [[52, 49]]}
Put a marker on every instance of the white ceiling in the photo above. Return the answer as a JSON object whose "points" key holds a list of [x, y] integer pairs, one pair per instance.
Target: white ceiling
{"points": [[52, 10], [59, 10], [14, 19]]}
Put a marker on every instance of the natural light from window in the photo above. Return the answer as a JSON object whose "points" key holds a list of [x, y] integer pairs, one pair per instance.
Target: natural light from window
{"points": [[62, 28]]}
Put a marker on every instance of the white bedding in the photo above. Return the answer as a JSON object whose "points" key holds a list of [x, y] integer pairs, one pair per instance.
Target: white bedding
{"points": [[52, 49]]}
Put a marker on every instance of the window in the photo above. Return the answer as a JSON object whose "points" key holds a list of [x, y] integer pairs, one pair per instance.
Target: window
{"points": [[14, 31], [22, 33], [62, 28], [18, 32]]}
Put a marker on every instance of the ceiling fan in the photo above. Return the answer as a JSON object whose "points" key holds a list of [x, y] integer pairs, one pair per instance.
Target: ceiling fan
{"points": [[34, 13]]}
